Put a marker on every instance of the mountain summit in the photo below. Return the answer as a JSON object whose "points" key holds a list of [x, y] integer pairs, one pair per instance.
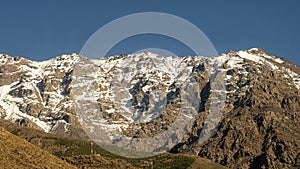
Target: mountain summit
{"points": [[259, 127]]}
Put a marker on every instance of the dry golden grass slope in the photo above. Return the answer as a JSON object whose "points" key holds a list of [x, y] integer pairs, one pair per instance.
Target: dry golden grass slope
{"points": [[16, 152]]}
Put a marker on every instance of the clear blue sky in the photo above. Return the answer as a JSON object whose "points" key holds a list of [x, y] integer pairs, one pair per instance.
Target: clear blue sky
{"points": [[40, 30]]}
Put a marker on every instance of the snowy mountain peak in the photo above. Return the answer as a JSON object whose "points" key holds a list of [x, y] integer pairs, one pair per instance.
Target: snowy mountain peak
{"points": [[39, 93], [260, 120]]}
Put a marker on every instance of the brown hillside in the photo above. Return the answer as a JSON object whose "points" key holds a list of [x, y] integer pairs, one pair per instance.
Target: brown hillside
{"points": [[78, 153], [18, 153]]}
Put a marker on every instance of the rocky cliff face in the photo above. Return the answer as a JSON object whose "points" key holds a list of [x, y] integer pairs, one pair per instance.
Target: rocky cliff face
{"points": [[37, 94], [258, 129], [260, 125]]}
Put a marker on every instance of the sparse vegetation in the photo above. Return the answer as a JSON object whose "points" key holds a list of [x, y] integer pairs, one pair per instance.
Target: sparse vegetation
{"points": [[78, 152], [16, 152]]}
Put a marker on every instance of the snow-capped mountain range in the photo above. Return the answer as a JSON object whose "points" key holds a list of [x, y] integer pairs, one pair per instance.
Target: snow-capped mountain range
{"points": [[41, 94], [39, 91]]}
